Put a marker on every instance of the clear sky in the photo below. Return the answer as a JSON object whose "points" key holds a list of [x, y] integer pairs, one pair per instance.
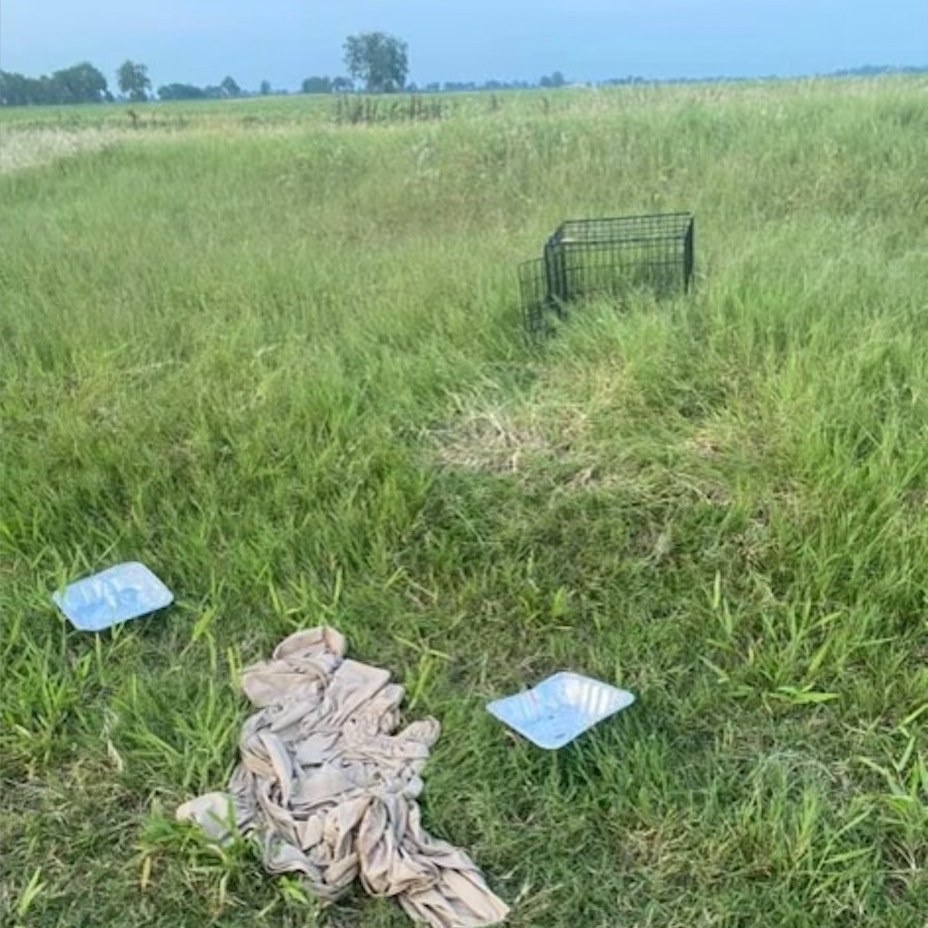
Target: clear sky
{"points": [[283, 41]]}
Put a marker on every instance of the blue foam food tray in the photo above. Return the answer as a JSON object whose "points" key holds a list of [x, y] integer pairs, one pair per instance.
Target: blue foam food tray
{"points": [[118, 594], [560, 708]]}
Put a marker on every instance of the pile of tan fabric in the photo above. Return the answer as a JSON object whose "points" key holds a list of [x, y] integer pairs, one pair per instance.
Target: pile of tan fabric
{"points": [[330, 792]]}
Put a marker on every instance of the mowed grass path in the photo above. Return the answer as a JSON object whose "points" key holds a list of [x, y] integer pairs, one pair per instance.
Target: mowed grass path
{"points": [[280, 361]]}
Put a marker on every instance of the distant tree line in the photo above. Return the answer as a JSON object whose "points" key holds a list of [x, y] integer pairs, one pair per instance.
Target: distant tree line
{"points": [[375, 61], [556, 79], [346, 85], [227, 89], [81, 83], [327, 85]]}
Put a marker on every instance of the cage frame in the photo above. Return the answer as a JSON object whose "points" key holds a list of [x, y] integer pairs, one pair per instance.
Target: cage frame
{"points": [[584, 258]]}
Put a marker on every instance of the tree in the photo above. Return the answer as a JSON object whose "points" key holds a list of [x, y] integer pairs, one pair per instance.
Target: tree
{"points": [[14, 89], [230, 88], [82, 83], [181, 92], [133, 80], [342, 85], [555, 80], [265, 88], [379, 60], [316, 85]]}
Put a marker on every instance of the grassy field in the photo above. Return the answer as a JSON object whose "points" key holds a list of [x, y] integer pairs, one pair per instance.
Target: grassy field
{"points": [[280, 360]]}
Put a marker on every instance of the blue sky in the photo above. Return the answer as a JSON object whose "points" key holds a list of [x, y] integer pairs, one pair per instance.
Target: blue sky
{"points": [[201, 41]]}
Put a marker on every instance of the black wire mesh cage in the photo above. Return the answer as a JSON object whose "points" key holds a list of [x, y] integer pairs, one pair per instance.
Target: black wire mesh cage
{"points": [[613, 258]]}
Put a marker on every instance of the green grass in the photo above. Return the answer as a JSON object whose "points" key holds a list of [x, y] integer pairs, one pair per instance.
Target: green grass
{"points": [[280, 361]]}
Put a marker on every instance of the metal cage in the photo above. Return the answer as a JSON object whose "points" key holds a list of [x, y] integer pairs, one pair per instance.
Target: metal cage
{"points": [[613, 258]]}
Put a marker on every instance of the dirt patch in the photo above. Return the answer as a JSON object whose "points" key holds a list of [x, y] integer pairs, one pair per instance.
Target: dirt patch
{"points": [[492, 441], [551, 445]]}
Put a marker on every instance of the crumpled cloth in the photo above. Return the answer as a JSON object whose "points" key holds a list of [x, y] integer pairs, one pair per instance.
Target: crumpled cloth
{"points": [[330, 792]]}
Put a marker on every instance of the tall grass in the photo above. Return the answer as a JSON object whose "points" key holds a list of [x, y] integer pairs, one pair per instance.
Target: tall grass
{"points": [[279, 360]]}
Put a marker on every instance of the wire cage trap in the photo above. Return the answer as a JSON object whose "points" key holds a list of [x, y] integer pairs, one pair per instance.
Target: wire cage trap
{"points": [[612, 258]]}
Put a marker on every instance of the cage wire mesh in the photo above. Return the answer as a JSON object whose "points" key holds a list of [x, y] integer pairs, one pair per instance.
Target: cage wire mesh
{"points": [[612, 258]]}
